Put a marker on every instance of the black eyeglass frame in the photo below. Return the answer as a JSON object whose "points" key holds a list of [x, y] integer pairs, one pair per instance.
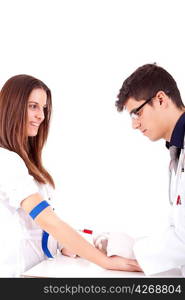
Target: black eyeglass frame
{"points": [[134, 112]]}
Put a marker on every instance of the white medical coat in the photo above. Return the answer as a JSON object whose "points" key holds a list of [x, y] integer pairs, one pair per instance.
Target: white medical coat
{"points": [[166, 249]]}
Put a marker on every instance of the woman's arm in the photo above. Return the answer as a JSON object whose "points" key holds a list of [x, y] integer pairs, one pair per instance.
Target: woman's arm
{"points": [[72, 240]]}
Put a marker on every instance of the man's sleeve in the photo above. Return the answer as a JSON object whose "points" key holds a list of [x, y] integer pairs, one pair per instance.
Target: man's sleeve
{"points": [[160, 252], [166, 249]]}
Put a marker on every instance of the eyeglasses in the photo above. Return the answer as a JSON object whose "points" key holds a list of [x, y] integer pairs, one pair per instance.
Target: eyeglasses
{"points": [[134, 114]]}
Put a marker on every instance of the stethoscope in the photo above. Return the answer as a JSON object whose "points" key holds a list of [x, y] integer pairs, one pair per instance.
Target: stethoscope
{"points": [[170, 183], [180, 169]]}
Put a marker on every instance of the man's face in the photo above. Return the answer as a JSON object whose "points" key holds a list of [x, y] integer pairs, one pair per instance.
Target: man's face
{"points": [[150, 120]]}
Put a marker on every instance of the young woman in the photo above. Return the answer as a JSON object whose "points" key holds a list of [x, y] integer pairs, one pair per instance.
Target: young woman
{"points": [[30, 230]]}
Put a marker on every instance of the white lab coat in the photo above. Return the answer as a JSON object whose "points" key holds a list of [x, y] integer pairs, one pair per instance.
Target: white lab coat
{"points": [[166, 249]]}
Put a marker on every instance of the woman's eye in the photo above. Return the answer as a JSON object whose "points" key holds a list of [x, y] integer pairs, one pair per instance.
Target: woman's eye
{"points": [[32, 106]]}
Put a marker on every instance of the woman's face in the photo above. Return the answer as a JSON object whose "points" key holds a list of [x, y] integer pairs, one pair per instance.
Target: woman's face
{"points": [[37, 102]]}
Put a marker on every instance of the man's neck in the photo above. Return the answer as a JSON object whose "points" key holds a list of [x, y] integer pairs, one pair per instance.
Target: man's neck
{"points": [[173, 118]]}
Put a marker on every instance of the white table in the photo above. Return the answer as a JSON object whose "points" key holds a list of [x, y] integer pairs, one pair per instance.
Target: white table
{"points": [[66, 267]]}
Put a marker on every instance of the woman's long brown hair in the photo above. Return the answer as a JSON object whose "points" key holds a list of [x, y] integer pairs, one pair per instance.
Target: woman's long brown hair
{"points": [[13, 124]]}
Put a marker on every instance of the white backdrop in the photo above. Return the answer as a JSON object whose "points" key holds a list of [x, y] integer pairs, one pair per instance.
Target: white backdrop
{"points": [[108, 176]]}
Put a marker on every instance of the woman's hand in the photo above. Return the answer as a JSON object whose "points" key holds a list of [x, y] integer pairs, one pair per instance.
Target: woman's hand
{"points": [[115, 262], [67, 252], [122, 264]]}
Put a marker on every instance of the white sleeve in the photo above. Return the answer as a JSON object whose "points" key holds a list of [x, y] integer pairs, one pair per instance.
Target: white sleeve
{"points": [[165, 250], [16, 183], [160, 252]]}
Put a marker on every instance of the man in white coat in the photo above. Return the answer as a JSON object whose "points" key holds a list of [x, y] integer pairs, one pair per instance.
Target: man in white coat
{"points": [[152, 98]]}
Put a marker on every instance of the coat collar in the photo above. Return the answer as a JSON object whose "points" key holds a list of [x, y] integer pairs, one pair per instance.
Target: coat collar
{"points": [[177, 138]]}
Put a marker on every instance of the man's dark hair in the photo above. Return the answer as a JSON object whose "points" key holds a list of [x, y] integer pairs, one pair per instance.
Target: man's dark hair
{"points": [[145, 82]]}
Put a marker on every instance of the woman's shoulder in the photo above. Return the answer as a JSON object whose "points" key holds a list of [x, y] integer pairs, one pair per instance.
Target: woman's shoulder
{"points": [[5, 153], [10, 159]]}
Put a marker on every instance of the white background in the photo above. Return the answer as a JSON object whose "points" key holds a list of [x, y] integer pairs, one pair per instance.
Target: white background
{"points": [[108, 176]]}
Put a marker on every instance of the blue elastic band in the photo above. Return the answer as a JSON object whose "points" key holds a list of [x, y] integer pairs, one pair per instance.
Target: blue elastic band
{"points": [[34, 213], [37, 209], [45, 249]]}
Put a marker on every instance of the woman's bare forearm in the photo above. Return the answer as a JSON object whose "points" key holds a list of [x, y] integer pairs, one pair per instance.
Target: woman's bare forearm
{"points": [[72, 240]]}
